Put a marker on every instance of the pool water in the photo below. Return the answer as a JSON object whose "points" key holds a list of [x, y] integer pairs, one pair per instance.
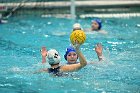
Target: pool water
{"points": [[22, 38]]}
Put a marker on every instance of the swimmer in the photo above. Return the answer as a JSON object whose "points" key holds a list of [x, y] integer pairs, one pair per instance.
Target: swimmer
{"points": [[96, 26], [53, 58], [71, 57]]}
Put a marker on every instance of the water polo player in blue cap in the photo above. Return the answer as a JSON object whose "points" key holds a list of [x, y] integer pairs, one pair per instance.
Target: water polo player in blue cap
{"points": [[71, 57], [96, 24]]}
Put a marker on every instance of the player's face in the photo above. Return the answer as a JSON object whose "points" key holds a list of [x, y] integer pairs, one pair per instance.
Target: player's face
{"points": [[72, 57], [94, 25]]}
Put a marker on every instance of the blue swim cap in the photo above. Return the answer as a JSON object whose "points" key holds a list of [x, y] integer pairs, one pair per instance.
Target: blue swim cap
{"points": [[99, 22], [68, 50]]}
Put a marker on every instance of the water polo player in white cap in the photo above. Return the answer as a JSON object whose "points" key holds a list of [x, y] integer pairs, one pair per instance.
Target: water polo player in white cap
{"points": [[77, 26]]}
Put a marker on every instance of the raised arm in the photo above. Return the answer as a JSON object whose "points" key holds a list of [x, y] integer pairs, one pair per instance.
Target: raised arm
{"points": [[44, 54], [99, 50], [82, 59]]}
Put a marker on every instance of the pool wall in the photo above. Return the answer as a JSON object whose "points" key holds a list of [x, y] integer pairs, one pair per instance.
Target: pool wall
{"points": [[83, 7]]}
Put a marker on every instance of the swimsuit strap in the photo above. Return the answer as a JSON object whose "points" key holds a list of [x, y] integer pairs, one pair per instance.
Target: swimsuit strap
{"points": [[54, 70]]}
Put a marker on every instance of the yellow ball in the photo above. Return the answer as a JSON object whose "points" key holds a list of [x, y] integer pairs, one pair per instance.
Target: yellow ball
{"points": [[78, 35]]}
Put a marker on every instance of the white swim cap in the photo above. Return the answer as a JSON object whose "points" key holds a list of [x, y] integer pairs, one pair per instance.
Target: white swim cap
{"points": [[53, 57], [76, 26]]}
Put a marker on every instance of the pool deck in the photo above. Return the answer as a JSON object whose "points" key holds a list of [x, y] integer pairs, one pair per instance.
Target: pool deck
{"points": [[62, 4], [86, 8]]}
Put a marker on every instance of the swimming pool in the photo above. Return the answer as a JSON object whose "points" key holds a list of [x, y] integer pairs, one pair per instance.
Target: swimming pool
{"points": [[22, 38]]}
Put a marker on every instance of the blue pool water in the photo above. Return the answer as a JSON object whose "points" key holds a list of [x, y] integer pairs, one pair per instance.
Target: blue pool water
{"points": [[22, 38]]}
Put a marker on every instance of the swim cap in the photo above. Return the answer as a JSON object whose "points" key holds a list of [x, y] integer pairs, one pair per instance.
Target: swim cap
{"points": [[53, 57], [99, 23], [68, 50], [76, 25]]}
